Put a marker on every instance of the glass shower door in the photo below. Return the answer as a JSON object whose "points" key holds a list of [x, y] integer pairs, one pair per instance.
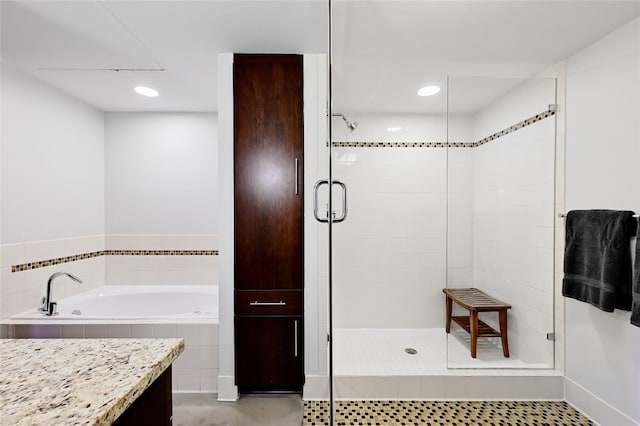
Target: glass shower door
{"points": [[449, 183], [389, 149], [500, 268]]}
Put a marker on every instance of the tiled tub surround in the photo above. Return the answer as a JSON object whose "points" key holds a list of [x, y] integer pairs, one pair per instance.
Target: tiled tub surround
{"points": [[72, 382], [196, 370], [20, 291], [162, 269], [100, 260]]}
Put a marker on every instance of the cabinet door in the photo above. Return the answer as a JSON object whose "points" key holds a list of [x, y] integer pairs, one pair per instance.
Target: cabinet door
{"points": [[268, 171], [269, 353]]}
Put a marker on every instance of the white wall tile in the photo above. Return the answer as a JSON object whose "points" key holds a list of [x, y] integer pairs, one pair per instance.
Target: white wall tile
{"points": [[189, 380], [208, 380], [118, 330], [23, 290], [208, 356], [164, 330], [38, 331], [72, 331], [141, 330], [208, 334], [409, 387], [189, 358], [95, 331], [190, 333]]}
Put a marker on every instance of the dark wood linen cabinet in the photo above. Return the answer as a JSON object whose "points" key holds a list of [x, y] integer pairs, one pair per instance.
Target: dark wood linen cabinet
{"points": [[269, 222]]}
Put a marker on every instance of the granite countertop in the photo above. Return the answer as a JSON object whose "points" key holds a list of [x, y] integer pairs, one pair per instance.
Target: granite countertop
{"points": [[77, 381]]}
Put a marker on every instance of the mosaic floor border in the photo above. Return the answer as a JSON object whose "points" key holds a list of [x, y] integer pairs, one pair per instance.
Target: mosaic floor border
{"points": [[445, 413]]}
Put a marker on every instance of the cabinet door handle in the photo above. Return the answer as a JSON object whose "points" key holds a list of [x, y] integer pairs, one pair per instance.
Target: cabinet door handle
{"points": [[295, 178], [256, 303], [295, 338]]}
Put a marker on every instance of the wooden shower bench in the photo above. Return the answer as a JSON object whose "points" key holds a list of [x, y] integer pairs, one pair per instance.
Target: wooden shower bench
{"points": [[476, 301]]}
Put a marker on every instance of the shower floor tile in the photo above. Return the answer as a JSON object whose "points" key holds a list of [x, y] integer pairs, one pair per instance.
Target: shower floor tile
{"points": [[383, 352], [449, 413]]}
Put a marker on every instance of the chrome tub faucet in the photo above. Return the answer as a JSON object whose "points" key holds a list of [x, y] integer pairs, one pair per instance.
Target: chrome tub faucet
{"points": [[49, 307]]}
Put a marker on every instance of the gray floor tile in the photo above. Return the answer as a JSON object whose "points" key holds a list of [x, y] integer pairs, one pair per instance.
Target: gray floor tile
{"points": [[249, 410]]}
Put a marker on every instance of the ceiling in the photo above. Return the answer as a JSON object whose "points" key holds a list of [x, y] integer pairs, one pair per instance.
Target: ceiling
{"points": [[383, 51]]}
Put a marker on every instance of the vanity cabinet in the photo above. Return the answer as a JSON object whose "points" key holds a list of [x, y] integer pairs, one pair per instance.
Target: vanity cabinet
{"points": [[153, 407], [268, 222], [269, 353]]}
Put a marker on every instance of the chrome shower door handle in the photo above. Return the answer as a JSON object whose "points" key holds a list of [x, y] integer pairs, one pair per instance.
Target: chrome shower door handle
{"points": [[343, 216], [315, 200], [336, 219]]}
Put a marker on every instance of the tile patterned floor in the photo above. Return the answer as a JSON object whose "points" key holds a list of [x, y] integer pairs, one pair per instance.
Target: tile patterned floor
{"points": [[445, 413]]}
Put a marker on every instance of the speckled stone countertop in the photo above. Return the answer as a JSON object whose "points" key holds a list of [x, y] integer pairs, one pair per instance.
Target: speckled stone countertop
{"points": [[77, 381]]}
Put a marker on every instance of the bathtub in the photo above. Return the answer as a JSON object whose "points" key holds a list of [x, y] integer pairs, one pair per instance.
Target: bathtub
{"points": [[135, 302], [139, 311]]}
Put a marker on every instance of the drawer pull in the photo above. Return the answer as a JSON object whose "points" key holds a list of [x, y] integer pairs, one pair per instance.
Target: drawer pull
{"points": [[256, 303]]}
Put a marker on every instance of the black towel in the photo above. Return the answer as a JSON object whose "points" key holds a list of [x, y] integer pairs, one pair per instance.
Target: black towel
{"points": [[635, 309], [597, 258]]}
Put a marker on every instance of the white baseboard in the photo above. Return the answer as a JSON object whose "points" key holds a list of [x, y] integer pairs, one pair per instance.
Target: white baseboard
{"points": [[316, 388], [593, 407], [227, 390]]}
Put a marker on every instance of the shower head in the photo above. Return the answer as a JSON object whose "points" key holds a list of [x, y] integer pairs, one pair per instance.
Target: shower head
{"points": [[351, 125]]}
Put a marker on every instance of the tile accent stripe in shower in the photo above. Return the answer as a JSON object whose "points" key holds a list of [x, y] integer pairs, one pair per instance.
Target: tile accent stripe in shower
{"points": [[529, 121], [403, 144], [66, 259]]}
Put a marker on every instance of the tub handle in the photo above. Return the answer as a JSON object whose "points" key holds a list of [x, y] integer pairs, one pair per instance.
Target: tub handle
{"points": [[256, 303]]}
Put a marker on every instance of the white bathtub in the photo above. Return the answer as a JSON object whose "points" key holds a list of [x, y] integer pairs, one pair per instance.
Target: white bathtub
{"points": [[135, 302], [139, 311]]}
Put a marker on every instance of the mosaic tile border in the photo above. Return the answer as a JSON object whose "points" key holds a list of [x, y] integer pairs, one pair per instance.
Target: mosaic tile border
{"points": [[445, 413], [529, 121], [403, 144], [66, 259]]}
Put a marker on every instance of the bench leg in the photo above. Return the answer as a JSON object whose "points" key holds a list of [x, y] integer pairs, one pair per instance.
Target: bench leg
{"points": [[503, 333], [473, 324], [449, 310]]}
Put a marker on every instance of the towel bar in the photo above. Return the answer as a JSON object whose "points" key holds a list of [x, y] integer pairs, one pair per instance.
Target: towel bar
{"points": [[563, 215]]}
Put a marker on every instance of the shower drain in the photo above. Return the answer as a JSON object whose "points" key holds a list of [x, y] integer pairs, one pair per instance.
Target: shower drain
{"points": [[410, 351]]}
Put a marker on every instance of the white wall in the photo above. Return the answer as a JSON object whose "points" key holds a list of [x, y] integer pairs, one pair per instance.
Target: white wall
{"points": [[514, 217], [52, 163], [603, 171], [227, 391], [161, 194], [52, 189], [161, 173]]}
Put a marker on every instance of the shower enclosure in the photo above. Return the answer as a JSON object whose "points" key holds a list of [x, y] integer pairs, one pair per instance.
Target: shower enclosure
{"points": [[452, 190]]}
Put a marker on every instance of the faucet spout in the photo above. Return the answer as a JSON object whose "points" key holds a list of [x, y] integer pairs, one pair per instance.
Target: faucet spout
{"points": [[49, 306]]}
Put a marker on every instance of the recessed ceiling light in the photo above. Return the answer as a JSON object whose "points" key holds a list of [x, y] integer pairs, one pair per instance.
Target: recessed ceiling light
{"points": [[146, 91], [393, 129], [428, 90]]}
